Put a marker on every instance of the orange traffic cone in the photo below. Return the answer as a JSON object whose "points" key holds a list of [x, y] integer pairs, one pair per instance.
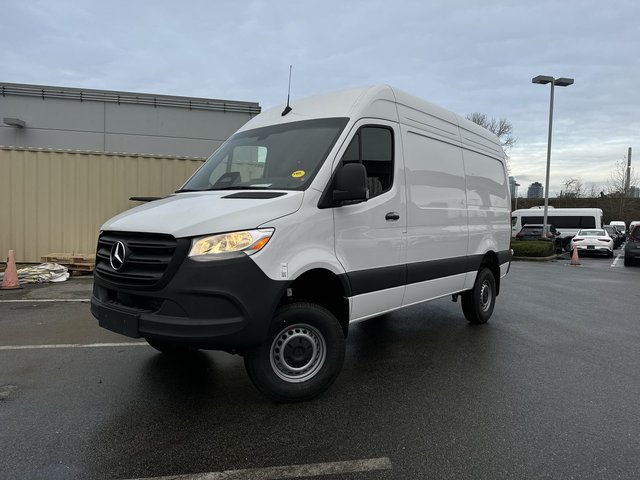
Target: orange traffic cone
{"points": [[10, 279], [575, 260]]}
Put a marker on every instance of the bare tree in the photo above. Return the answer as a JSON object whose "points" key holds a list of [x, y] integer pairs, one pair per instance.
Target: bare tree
{"points": [[501, 127], [593, 192], [617, 183], [572, 188]]}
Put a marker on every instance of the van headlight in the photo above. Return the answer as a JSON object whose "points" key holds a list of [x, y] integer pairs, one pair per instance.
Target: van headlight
{"points": [[225, 245]]}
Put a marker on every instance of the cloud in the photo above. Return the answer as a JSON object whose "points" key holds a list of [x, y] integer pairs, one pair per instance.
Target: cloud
{"points": [[463, 55]]}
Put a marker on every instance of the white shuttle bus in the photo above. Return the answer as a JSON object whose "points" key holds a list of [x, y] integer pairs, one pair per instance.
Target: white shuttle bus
{"points": [[566, 220], [334, 209]]}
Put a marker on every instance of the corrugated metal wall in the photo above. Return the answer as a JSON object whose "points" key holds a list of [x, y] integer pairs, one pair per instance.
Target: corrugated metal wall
{"points": [[56, 201]]}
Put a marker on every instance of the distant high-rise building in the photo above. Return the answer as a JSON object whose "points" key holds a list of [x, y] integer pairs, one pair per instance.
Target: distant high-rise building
{"points": [[513, 187], [535, 190], [634, 192]]}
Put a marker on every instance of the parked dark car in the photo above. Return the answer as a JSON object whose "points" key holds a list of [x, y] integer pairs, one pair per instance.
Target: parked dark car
{"points": [[533, 231], [632, 247], [615, 234]]}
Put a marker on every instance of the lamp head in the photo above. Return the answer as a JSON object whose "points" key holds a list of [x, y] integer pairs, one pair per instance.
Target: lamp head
{"points": [[563, 82], [542, 79]]}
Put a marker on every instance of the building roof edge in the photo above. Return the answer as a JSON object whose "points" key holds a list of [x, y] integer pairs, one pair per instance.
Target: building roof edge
{"points": [[112, 96]]}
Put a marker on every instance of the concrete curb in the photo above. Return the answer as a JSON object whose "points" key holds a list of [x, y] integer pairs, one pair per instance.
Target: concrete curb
{"points": [[538, 259]]}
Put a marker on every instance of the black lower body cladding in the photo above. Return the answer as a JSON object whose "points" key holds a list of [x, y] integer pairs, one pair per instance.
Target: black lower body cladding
{"points": [[222, 305], [374, 279]]}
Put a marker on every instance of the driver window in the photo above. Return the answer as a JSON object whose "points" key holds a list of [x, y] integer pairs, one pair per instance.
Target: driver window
{"points": [[373, 147]]}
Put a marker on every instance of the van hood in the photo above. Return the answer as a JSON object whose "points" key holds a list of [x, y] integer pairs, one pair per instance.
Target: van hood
{"points": [[202, 213]]}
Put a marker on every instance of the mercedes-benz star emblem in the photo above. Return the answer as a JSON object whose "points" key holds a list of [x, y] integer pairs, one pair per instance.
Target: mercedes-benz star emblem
{"points": [[117, 257]]}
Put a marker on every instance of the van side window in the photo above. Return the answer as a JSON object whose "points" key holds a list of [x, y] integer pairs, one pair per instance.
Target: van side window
{"points": [[373, 147]]}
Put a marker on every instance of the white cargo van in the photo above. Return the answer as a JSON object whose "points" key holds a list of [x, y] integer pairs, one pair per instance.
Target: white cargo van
{"points": [[568, 221], [347, 206]]}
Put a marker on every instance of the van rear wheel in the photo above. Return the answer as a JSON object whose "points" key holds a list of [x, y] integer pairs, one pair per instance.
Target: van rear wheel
{"points": [[302, 356], [478, 303]]}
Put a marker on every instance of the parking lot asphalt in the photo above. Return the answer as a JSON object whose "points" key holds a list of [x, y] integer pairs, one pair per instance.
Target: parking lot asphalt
{"points": [[76, 288], [547, 389]]}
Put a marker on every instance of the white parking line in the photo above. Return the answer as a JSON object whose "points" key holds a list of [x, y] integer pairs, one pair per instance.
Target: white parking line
{"points": [[44, 300], [72, 345], [615, 262], [288, 471]]}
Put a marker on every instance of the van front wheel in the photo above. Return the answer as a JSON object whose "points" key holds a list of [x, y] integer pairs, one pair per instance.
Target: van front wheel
{"points": [[478, 303], [302, 356]]}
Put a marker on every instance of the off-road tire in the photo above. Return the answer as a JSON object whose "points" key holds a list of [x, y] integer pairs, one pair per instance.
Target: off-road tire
{"points": [[302, 355], [478, 303]]}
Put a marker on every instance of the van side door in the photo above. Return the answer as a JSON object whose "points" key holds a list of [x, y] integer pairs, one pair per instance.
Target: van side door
{"points": [[438, 233], [370, 237]]}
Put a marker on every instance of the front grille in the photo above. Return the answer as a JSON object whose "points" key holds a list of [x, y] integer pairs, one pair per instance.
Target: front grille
{"points": [[146, 261]]}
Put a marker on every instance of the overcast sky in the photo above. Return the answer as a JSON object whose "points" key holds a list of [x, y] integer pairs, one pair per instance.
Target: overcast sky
{"points": [[466, 55]]}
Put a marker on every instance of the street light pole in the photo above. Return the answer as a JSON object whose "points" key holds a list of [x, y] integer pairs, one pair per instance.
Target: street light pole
{"points": [[546, 182], [560, 82]]}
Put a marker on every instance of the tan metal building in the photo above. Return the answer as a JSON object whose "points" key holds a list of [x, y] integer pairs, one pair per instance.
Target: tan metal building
{"points": [[61, 173]]}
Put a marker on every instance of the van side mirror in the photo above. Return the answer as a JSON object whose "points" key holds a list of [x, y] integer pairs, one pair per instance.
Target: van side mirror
{"points": [[350, 185]]}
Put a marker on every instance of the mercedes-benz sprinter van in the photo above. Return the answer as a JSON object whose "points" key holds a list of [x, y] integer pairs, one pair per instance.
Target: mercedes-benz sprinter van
{"points": [[340, 208]]}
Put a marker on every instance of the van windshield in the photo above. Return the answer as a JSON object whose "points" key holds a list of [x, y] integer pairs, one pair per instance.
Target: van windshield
{"points": [[278, 157]]}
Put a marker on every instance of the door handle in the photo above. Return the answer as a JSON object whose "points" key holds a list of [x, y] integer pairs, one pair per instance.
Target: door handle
{"points": [[393, 216]]}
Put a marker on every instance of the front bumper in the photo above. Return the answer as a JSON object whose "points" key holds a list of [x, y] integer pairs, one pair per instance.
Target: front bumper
{"points": [[221, 305]]}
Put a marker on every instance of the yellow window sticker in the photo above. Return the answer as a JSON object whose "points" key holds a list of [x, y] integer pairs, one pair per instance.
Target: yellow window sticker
{"points": [[298, 174]]}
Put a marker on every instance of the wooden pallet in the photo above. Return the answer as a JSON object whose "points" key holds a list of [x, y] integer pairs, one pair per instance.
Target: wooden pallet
{"points": [[76, 262], [68, 258]]}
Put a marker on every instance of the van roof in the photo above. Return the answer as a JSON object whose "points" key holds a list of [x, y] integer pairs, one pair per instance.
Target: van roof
{"points": [[386, 103], [376, 100]]}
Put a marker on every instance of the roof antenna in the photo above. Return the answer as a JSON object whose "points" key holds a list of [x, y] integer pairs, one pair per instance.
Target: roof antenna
{"points": [[287, 109]]}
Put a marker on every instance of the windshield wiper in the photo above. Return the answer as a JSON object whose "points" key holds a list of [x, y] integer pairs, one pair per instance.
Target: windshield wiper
{"points": [[237, 187], [240, 187]]}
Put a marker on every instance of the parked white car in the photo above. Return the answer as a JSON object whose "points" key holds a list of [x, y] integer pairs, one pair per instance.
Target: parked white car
{"points": [[594, 240]]}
